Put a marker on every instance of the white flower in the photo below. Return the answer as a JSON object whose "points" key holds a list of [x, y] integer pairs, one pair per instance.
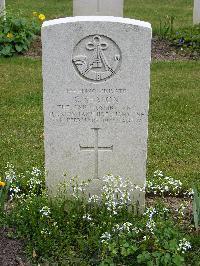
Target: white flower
{"points": [[36, 172], [87, 217], [10, 173], [116, 192], [45, 232], [184, 245], [14, 190], [105, 237], [93, 198], [165, 210], [150, 211], [45, 211], [158, 173], [151, 225]]}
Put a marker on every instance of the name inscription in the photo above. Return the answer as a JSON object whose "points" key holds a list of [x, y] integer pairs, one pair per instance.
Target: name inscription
{"points": [[92, 105]]}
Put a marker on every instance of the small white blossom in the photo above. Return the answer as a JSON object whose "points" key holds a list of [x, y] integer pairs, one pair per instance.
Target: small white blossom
{"points": [[10, 175], [184, 245], [87, 217], [164, 184], [116, 192], [158, 173], [36, 172], [14, 192], [45, 211], [45, 232], [105, 237], [93, 198], [151, 225]]}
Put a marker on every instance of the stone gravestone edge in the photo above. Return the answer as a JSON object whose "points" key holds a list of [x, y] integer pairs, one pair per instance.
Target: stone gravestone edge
{"points": [[96, 122], [196, 12], [2, 7]]}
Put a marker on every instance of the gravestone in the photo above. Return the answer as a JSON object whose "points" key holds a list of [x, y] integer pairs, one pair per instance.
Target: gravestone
{"points": [[2, 7], [96, 76], [196, 12], [98, 8]]}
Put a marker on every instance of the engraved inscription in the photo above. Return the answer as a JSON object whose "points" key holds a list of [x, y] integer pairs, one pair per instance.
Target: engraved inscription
{"points": [[96, 58], [96, 149], [96, 109], [94, 105]]}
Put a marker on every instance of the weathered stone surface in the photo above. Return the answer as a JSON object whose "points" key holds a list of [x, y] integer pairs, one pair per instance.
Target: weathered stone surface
{"points": [[196, 12], [98, 8], [96, 74], [2, 7]]}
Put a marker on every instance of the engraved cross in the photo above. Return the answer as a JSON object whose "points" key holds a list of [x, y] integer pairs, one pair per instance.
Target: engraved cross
{"points": [[96, 148]]}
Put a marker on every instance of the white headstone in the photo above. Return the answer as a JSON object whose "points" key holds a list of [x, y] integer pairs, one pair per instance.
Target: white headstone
{"points": [[98, 8], [2, 7], [196, 12], [96, 74]]}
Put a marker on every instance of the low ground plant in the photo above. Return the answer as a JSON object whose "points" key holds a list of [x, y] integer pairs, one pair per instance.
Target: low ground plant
{"points": [[161, 184], [17, 33], [184, 38], [187, 38], [74, 228], [166, 27]]}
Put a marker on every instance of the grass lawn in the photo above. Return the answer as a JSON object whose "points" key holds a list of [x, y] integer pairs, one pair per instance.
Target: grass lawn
{"points": [[148, 10], [21, 113], [174, 125]]}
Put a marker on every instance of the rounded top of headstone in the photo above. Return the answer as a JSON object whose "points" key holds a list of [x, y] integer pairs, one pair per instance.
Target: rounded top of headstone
{"points": [[97, 19]]}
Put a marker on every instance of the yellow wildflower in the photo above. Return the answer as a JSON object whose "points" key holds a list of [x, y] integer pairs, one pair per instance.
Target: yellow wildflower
{"points": [[9, 35], [35, 14], [41, 17], [2, 184]]}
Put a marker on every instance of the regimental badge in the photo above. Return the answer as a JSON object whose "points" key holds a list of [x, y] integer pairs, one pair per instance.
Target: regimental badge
{"points": [[96, 58]]}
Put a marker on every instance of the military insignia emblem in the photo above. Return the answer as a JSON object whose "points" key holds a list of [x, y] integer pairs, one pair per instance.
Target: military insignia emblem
{"points": [[96, 58]]}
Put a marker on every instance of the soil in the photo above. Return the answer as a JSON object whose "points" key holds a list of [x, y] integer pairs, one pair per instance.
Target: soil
{"points": [[12, 250], [162, 50]]}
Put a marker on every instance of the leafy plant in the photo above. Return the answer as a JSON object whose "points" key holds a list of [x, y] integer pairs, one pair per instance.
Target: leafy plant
{"points": [[162, 185], [17, 33], [187, 38], [196, 209], [166, 27], [74, 228], [152, 240]]}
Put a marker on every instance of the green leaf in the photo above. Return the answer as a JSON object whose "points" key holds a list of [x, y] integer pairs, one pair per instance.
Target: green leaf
{"points": [[7, 50], [144, 257], [178, 260], [166, 259], [173, 245], [19, 48]]}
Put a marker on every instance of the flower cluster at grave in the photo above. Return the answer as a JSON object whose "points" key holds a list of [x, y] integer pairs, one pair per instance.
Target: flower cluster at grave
{"points": [[103, 223], [161, 184]]}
